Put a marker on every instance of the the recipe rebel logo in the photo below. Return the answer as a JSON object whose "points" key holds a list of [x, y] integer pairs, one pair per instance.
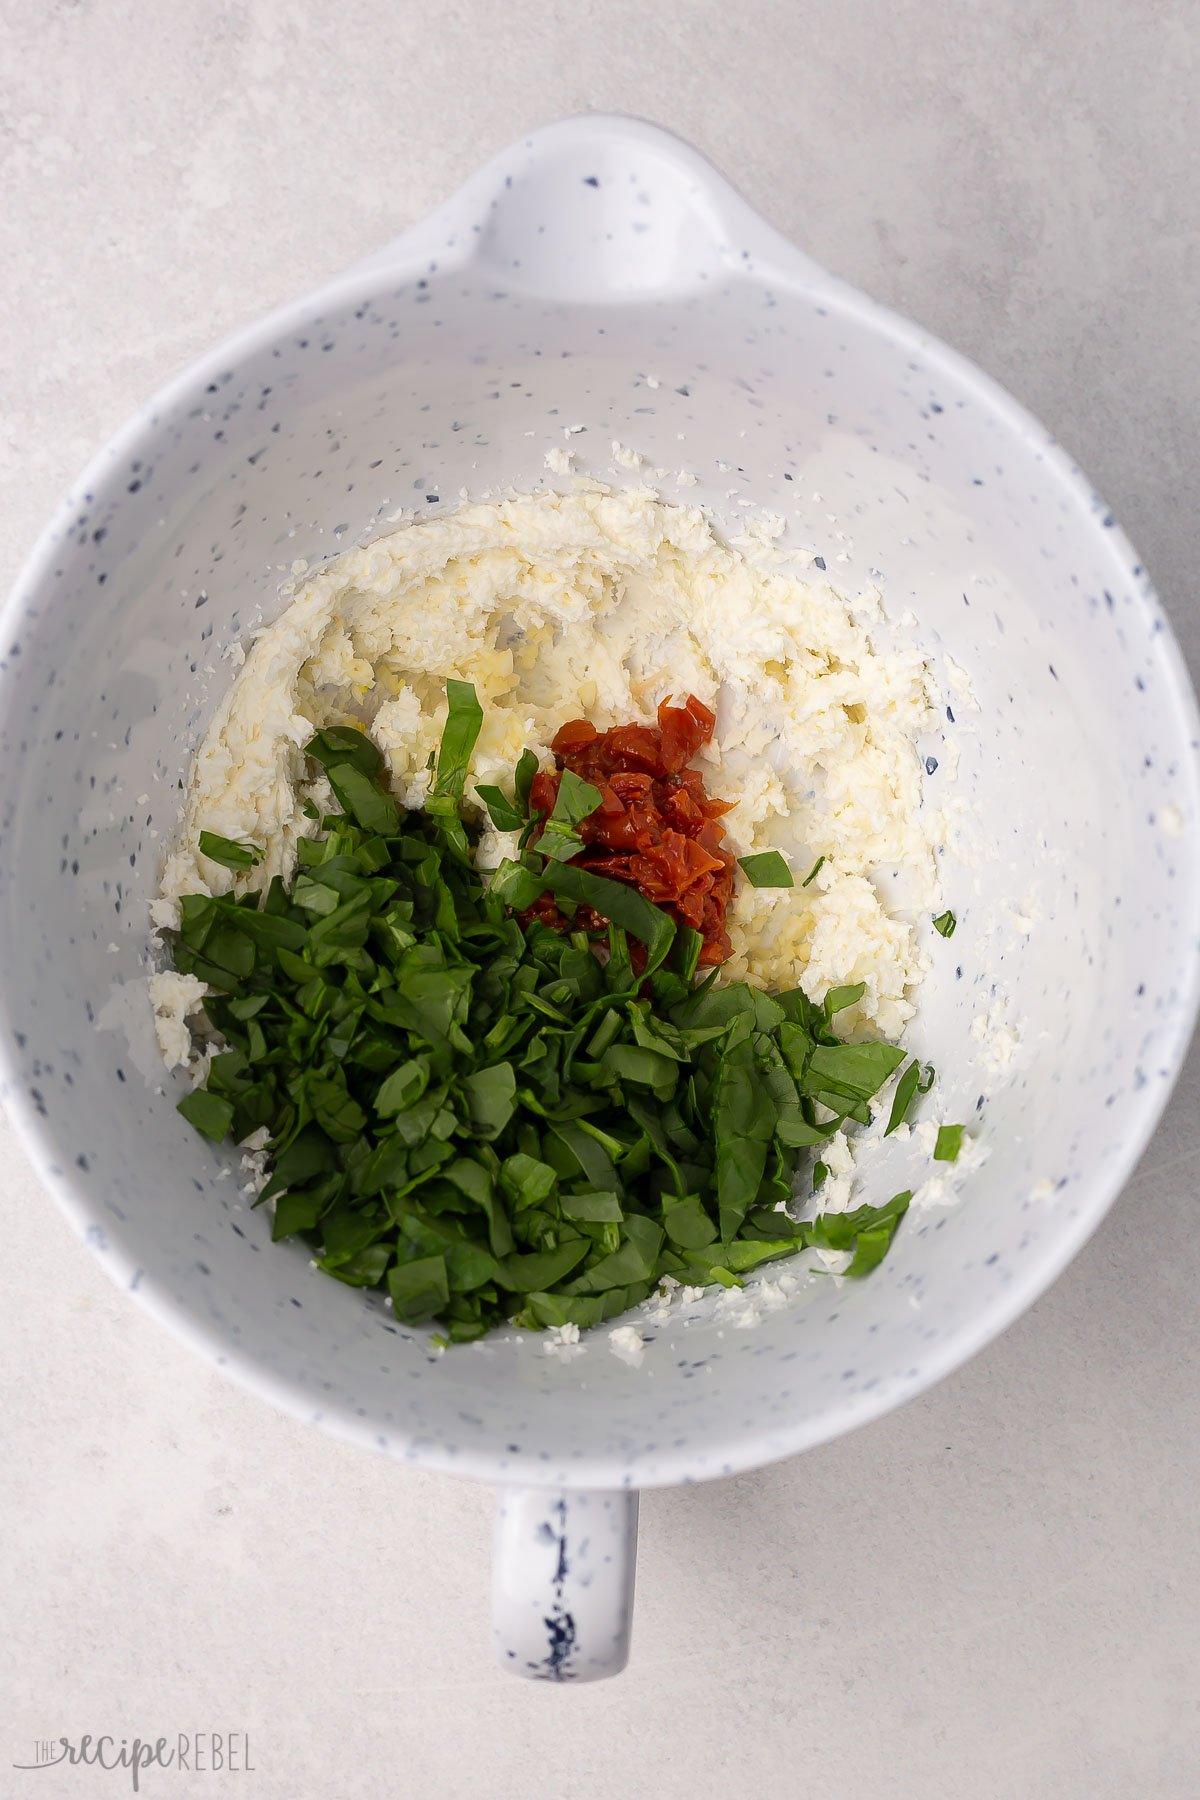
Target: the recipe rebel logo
{"points": [[188, 1753]]}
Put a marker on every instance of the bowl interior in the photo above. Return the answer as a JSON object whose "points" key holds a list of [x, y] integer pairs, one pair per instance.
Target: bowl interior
{"points": [[1075, 889]]}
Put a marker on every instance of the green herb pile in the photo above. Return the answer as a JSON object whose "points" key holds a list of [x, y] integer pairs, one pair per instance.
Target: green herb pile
{"points": [[495, 1123]]}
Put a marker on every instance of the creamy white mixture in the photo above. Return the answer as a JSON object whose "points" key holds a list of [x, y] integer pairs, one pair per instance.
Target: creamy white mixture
{"points": [[599, 604]]}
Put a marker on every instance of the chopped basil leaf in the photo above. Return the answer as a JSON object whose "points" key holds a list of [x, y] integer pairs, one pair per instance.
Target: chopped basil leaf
{"points": [[867, 1230], [614, 900], [362, 1268], [224, 850], [949, 1143], [403, 1087], [491, 1097], [814, 871], [945, 923], [464, 721], [528, 1274], [419, 1289], [336, 744], [297, 1212], [870, 1247], [362, 801], [576, 799], [685, 953], [504, 814], [532, 824], [839, 998], [591, 1207], [209, 1113], [902, 1097], [857, 1071], [766, 869], [526, 1181], [526, 769], [516, 885]]}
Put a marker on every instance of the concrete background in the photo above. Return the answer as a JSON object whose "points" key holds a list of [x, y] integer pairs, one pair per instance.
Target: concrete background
{"points": [[991, 1594]]}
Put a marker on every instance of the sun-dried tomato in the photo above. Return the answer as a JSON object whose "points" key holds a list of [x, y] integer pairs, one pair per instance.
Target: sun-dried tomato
{"points": [[573, 737], [656, 825]]}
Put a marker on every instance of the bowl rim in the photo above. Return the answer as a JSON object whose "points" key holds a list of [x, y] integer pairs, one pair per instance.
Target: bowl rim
{"points": [[763, 255]]}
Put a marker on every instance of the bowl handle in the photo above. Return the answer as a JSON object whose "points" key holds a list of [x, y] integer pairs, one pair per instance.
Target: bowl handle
{"points": [[562, 1582]]}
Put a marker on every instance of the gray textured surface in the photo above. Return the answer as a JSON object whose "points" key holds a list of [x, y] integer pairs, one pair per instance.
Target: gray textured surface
{"points": [[991, 1594]]}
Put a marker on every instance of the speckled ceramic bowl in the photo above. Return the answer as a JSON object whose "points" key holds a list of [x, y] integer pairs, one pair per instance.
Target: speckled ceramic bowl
{"points": [[601, 275]]}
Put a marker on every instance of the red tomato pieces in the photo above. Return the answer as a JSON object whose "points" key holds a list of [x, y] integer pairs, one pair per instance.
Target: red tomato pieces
{"points": [[655, 827]]}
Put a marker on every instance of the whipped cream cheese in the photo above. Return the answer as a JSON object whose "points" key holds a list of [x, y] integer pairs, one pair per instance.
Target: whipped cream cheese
{"points": [[600, 603]]}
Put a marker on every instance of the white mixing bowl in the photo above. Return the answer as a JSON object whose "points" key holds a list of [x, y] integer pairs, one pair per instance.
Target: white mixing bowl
{"points": [[602, 275]]}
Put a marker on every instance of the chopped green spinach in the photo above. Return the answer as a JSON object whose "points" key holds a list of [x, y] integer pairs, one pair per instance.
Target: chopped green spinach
{"points": [[766, 868], [949, 1143], [489, 1121], [224, 850]]}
